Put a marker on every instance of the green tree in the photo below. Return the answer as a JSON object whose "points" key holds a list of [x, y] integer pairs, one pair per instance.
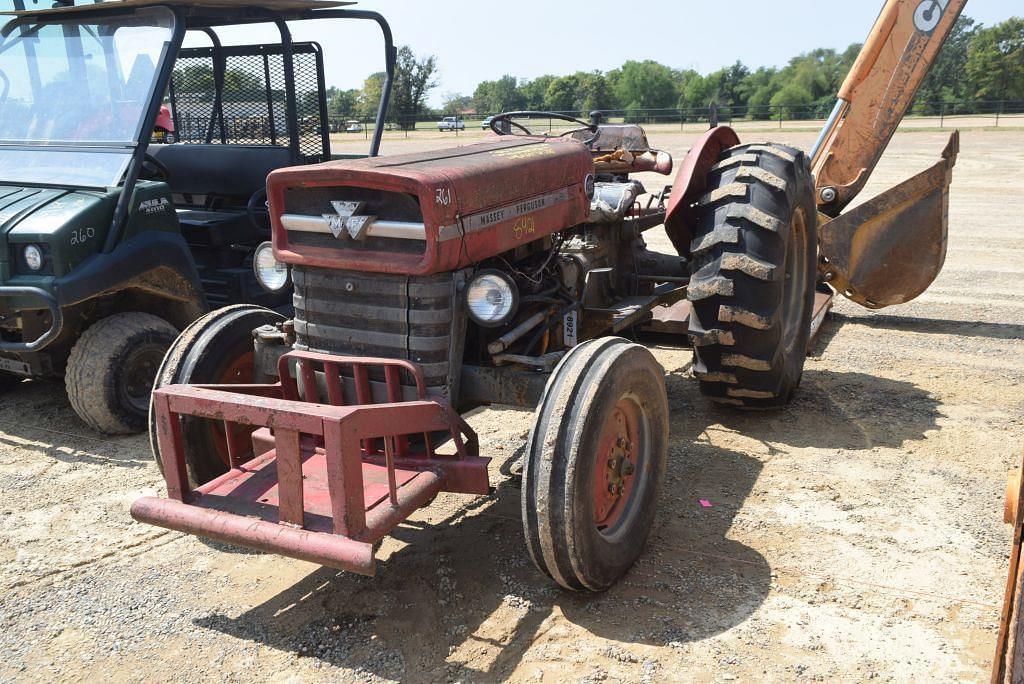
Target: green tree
{"points": [[644, 85], [369, 96], [454, 104], [945, 81], [562, 94], [593, 92], [498, 96], [995, 61], [414, 79], [793, 100], [342, 103], [532, 93]]}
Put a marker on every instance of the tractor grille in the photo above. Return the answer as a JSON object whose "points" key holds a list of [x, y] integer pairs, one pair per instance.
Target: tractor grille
{"points": [[383, 204], [390, 316]]}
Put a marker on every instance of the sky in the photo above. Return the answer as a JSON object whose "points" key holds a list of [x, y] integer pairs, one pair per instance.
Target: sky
{"points": [[485, 39]]}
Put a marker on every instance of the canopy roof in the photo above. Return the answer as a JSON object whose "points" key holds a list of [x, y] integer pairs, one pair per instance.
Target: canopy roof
{"points": [[217, 6]]}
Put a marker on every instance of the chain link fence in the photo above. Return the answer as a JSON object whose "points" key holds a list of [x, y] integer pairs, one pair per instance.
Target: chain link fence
{"points": [[923, 115]]}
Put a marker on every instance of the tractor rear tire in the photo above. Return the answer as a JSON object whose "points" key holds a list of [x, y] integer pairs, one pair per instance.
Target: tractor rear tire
{"points": [[217, 349], [111, 369], [753, 275], [594, 464]]}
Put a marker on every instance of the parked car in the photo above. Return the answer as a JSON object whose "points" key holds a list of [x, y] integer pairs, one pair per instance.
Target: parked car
{"points": [[451, 123], [503, 125], [353, 127]]}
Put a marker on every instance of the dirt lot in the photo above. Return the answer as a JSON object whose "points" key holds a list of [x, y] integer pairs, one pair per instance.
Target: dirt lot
{"points": [[855, 535]]}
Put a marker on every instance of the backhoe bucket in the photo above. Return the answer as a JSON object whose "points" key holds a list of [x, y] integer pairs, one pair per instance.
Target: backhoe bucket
{"points": [[890, 249]]}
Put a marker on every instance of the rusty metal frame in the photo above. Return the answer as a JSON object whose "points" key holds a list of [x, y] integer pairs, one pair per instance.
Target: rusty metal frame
{"points": [[340, 475]]}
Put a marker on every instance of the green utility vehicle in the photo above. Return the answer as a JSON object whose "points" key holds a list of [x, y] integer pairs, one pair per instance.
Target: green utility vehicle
{"points": [[132, 181]]}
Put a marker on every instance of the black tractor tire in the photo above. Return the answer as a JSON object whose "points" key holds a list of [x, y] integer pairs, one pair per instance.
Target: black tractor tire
{"points": [[604, 409], [111, 369], [753, 275], [216, 349]]}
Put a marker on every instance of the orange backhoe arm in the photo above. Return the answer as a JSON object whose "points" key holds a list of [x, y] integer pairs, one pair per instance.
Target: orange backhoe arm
{"points": [[877, 92]]}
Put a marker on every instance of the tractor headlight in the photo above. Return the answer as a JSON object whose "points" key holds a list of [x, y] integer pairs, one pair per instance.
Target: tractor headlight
{"points": [[33, 256], [271, 273], [491, 298]]}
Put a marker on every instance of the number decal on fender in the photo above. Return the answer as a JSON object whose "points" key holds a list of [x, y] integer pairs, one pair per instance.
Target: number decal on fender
{"points": [[524, 227], [444, 197]]}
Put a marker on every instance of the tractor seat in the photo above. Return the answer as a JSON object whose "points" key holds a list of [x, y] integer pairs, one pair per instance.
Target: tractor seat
{"points": [[235, 171]]}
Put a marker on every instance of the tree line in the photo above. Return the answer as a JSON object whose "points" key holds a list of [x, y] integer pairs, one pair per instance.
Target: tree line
{"points": [[976, 63]]}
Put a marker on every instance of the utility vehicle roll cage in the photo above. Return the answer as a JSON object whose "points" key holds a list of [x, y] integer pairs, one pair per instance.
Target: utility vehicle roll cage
{"points": [[205, 16]]}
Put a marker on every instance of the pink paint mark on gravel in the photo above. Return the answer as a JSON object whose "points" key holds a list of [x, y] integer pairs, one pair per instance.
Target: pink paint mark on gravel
{"points": [[705, 503]]}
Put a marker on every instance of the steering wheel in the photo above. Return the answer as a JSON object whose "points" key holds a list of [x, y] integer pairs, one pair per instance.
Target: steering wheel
{"points": [[258, 211], [507, 118], [154, 169]]}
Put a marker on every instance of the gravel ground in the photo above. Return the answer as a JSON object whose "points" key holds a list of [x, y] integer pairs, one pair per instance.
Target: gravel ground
{"points": [[855, 535]]}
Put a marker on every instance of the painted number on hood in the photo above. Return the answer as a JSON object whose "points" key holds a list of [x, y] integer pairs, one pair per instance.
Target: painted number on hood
{"points": [[80, 236]]}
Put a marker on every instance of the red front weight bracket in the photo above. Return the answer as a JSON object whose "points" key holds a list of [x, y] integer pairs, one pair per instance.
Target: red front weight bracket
{"points": [[332, 477]]}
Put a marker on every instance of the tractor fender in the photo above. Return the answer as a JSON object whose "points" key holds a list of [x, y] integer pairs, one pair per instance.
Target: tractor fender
{"points": [[691, 182], [156, 263]]}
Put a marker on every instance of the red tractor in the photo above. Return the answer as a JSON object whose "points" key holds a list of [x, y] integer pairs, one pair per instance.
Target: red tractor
{"points": [[507, 272]]}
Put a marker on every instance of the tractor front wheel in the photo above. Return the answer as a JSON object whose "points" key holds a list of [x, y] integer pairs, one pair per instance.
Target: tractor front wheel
{"points": [[215, 350], [595, 462], [753, 274]]}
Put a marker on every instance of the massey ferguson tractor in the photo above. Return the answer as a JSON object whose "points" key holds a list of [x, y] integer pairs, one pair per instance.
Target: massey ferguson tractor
{"points": [[514, 271]]}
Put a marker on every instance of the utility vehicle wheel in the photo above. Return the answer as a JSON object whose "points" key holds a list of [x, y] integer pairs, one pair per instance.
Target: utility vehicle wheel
{"points": [[594, 463], [217, 349], [753, 275], [111, 369]]}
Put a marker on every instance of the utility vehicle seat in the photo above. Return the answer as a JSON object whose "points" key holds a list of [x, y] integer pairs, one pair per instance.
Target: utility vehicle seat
{"points": [[235, 171]]}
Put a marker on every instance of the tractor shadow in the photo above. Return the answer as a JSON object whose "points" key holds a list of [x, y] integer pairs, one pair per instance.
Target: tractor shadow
{"points": [[460, 598], [457, 597]]}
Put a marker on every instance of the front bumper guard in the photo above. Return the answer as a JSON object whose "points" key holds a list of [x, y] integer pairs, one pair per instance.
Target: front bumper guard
{"points": [[56, 322], [335, 473]]}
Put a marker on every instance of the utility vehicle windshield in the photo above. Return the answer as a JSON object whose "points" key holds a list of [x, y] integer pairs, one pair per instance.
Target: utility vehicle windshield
{"points": [[81, 86]]}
